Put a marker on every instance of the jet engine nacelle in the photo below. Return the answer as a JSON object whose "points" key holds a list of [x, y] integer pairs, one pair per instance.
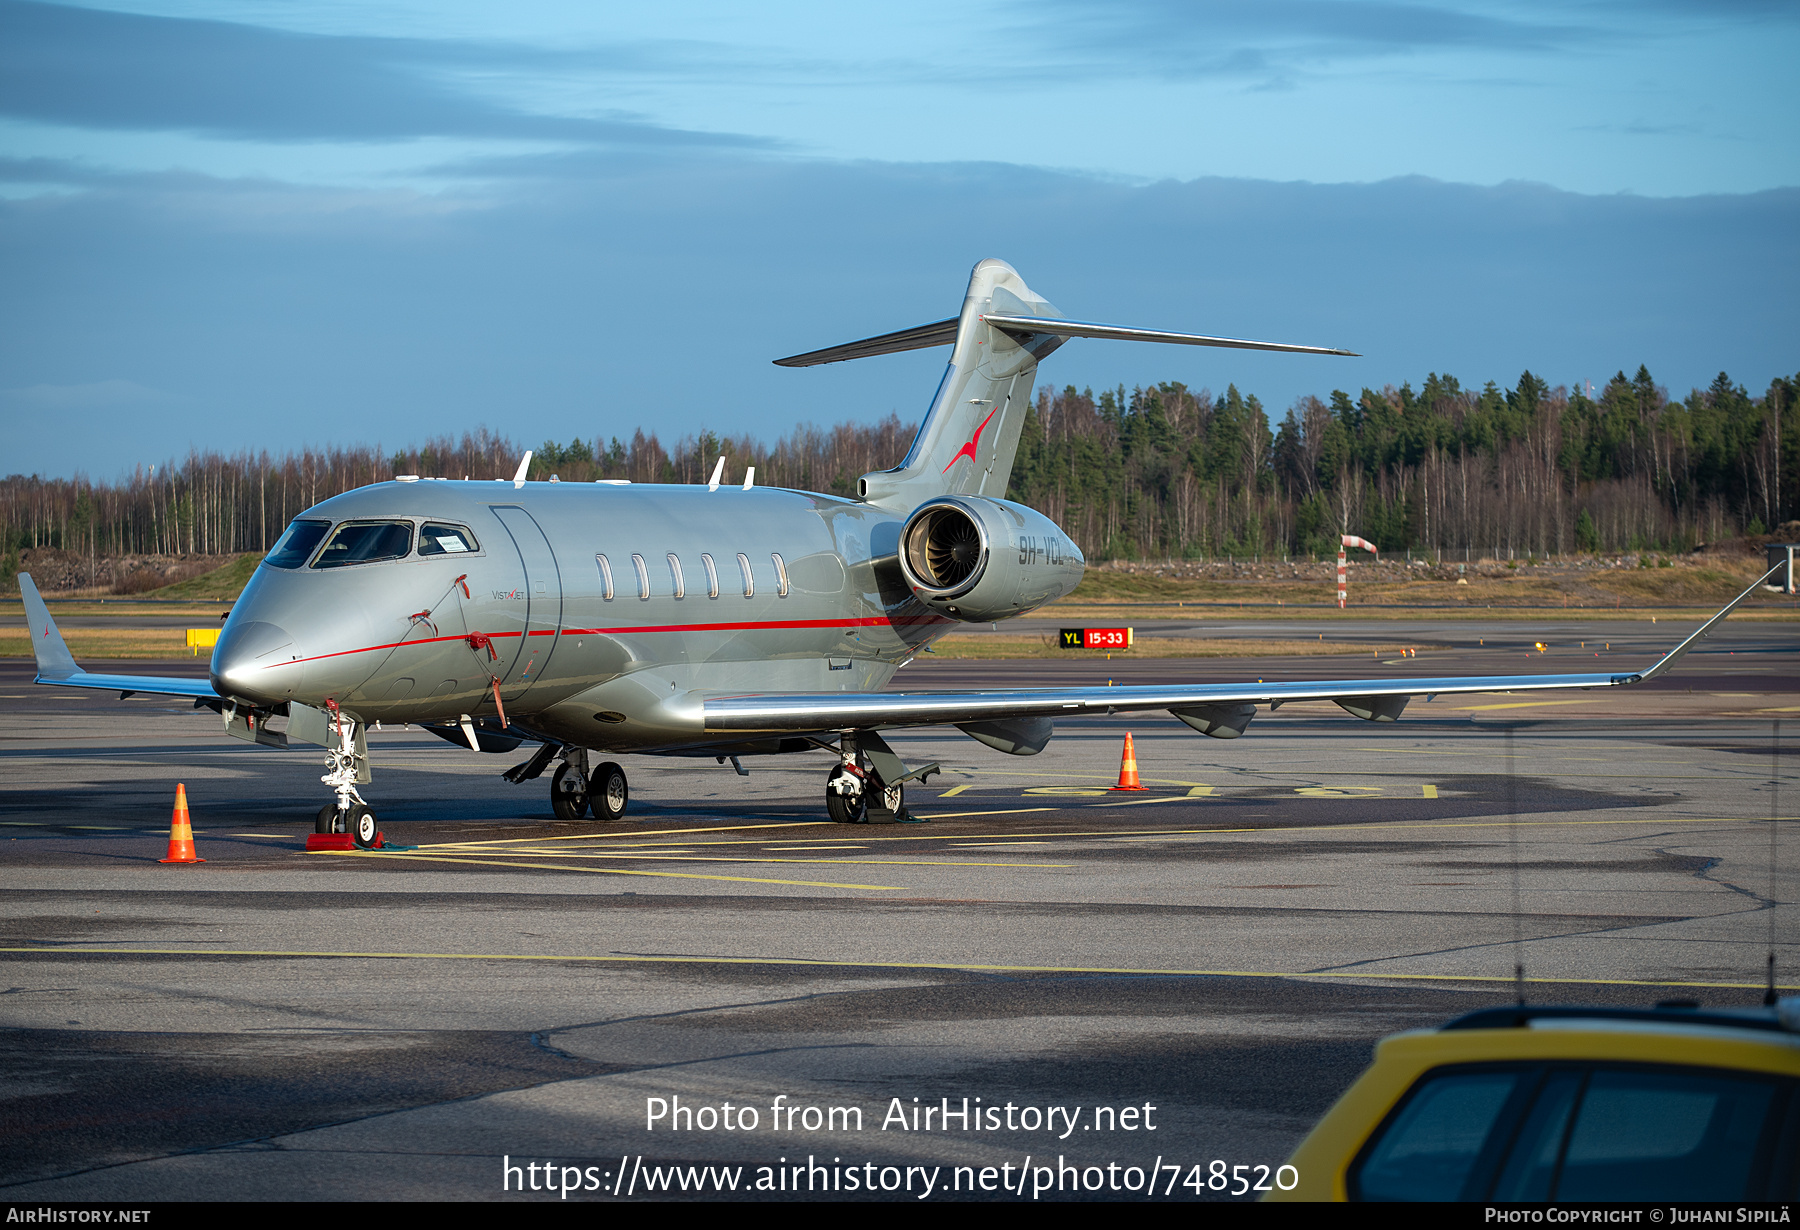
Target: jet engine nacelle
{"points": [[979, 559]]}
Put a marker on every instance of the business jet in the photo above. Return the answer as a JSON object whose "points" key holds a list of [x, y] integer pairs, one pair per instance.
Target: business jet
{"points": [[715, 620]]}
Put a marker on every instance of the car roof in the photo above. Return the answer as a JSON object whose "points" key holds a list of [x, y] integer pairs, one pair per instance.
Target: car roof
{"points": [[1679, 1013]]}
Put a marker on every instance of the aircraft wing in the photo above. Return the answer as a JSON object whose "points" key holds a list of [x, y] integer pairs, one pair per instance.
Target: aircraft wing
{"points": [[56, 665], [1373, 699]]}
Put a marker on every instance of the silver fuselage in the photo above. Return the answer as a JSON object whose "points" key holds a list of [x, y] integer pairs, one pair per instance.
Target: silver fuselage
{"points": [[426, 639], [511, 633]]}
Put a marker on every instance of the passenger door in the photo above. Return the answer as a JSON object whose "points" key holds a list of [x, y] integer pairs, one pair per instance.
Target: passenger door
{"points": [[541, 625]]}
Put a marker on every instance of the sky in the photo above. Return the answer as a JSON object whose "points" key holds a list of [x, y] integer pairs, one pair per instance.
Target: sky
{"points": [[255, 224]]}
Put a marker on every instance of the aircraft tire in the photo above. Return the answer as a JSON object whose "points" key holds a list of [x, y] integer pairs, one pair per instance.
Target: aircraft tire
{"points": [[845, 808], [851, 809], [608, 792], [363, 827], [326, 820], [568, 793]]}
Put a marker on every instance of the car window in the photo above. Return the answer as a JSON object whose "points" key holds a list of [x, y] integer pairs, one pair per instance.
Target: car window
{"points": [[1427, 1150], [1530, 1170], [1570, 1132], [1649, 1135], [296, 545], [435, 539], [364, 542]]}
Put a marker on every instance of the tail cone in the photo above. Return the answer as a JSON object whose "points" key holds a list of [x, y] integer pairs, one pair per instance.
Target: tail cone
{"points": [[181, 833], [1128, 775]]}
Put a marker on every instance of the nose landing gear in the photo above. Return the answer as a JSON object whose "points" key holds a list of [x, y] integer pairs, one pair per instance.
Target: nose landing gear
{"points": [[359, 822], [347, 766]]}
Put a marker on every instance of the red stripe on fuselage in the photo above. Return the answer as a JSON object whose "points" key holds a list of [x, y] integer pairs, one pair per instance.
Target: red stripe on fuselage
{"points": [[747, 626]]}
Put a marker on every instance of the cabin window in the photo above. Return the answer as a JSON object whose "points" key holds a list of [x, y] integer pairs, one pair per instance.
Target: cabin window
{"points": [[365, 542], [435, 539], [606, 582], [296, 546], [637, 562], [749, 581], [712, 575], [781, 581], [675, 577]]}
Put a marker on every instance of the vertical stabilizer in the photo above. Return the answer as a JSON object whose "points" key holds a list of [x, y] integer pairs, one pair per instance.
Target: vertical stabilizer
{"points": [[970, 435]]}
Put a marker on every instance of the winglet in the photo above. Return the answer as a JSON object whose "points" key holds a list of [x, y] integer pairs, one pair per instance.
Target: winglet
{"points": [[54, 661], [1669, 659]]}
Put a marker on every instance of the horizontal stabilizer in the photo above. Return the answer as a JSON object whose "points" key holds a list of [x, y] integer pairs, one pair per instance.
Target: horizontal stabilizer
{"points": [[1025, 325], [942, 333]]}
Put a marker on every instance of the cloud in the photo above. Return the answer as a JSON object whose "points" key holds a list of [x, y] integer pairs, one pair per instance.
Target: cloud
{"points": [[1255, 38], [590, 303], [95, 69], [1233, 38]]}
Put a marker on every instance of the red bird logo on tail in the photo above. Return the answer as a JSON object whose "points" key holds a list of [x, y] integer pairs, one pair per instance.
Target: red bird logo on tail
{"points": [[968, 450]]}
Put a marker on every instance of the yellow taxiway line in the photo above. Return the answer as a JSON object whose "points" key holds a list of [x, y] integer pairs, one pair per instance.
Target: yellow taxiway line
{"points": [[1121, 834], [713, 858], [944, 966], [723, 828], [1525, 704], [460, 861]]}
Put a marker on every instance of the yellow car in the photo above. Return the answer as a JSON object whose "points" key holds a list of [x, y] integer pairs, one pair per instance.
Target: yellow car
{"points": [[1672, 1103]]}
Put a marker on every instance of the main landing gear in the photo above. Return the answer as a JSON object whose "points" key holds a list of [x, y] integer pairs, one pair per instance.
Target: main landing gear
{"points": [[608, 792], [855, 795], [868, 786], [574, 790]]}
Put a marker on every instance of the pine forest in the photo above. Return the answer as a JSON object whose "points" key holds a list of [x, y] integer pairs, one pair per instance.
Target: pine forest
{"points": [[1157, 472]]}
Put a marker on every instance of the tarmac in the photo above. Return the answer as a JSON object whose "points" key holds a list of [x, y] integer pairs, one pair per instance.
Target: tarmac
{"points": [[1215, 955]]}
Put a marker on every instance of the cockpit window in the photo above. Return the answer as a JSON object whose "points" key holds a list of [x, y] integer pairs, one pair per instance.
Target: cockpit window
{"points": [[296, 546], [364, 542], [437, 539]]}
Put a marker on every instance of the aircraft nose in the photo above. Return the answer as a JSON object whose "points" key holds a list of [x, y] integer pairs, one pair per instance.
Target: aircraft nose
{"points": [[255, 661]]}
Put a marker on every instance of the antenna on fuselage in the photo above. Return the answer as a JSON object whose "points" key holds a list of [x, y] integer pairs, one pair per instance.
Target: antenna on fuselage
{"points": [[524, 465], [749, 477], [718, 474]]}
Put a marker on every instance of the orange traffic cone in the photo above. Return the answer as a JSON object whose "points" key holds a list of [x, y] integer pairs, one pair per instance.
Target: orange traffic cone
{"points": [[1128, 778], [181, 833]]}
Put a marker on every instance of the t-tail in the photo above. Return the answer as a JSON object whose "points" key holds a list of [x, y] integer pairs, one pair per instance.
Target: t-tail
{"points": [[970, 435]]}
